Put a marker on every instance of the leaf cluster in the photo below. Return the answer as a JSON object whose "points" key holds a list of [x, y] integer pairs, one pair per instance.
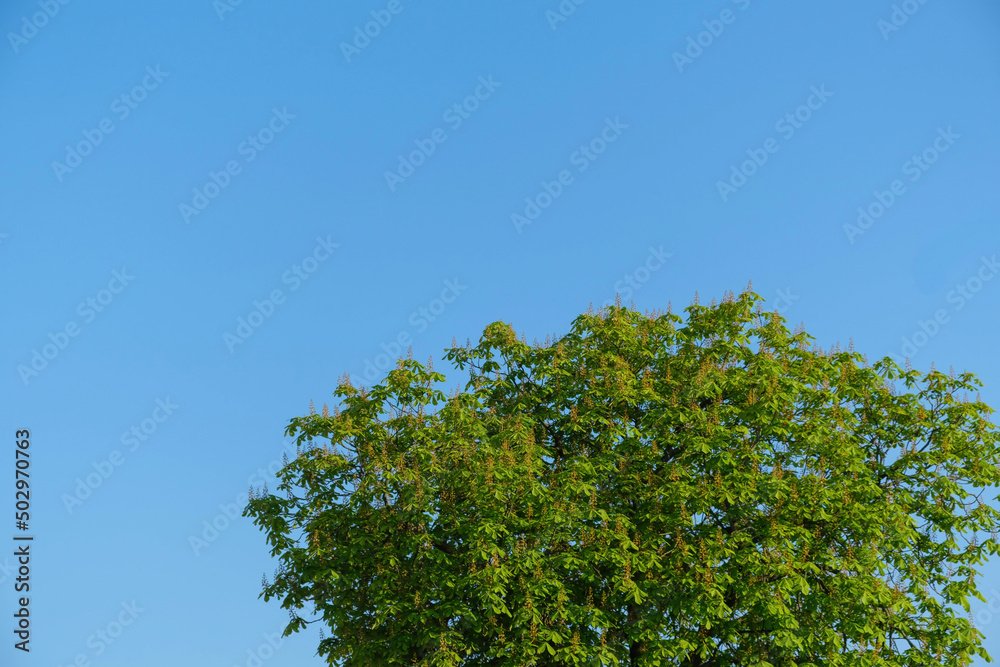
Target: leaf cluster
{"points": [[642, 491]]}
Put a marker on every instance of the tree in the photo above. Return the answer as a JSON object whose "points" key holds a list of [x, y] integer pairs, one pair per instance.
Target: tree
{"points": [[638, 493]]}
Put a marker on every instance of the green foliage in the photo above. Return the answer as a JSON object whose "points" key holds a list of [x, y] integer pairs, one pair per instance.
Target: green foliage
{"points": [[640, 494]]}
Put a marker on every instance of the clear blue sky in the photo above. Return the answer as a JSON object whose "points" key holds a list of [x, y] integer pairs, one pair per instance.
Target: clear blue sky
{"points": [[289, 136]]}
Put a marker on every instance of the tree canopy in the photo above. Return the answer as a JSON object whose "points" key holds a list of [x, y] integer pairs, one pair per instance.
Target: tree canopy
{"points": [[641, 491]]}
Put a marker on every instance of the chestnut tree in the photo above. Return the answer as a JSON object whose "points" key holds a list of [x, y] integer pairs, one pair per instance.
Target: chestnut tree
{"points": [[643, 491]]}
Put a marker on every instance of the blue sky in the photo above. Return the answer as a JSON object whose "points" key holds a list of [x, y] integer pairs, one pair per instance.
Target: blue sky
{"points": [[171, 169]]}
